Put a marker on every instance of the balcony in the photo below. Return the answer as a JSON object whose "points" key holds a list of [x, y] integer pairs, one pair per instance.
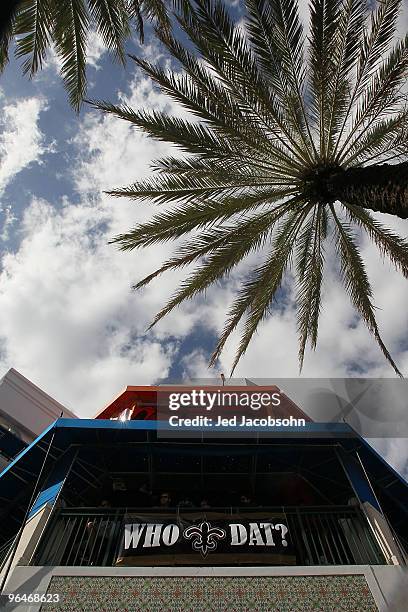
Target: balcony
{"points": [[317, 536]]}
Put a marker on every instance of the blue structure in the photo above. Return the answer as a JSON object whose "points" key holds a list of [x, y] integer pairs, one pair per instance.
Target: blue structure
{"points": [[10, 444], [324, 467]]}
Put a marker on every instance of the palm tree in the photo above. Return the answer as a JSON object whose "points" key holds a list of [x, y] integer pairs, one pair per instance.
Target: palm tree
{"points": [[37, 23], [291, 148]]}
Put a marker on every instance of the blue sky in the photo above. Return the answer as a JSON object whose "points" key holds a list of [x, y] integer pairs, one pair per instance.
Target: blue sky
{"points": [[68, 318]]}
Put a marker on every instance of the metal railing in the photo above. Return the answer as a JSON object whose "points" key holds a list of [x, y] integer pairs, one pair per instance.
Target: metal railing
{"points": [[332, 535]]}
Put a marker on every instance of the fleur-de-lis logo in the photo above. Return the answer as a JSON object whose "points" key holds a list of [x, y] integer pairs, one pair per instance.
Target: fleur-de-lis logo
{"points": [[204, 537]]}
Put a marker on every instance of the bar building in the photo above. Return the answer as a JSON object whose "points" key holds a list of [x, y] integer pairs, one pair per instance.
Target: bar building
{"points": [[127, 515]]}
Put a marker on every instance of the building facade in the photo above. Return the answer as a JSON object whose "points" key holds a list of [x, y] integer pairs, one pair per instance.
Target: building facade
{"points": [[128, 516]]}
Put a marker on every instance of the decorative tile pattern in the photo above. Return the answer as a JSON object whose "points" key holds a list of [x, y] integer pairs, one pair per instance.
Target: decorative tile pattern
{"points": [[211, 594]]}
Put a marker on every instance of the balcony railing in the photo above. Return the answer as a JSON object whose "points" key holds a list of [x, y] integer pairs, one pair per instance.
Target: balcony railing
{"points": [[324, 535], [5, 548]]}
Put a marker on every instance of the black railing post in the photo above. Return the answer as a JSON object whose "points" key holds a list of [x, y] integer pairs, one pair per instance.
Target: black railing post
{"points": [[304, 536]]}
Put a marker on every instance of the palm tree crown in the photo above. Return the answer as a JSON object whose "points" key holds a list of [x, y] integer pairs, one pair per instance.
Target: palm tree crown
{"points": [[288, 129]]}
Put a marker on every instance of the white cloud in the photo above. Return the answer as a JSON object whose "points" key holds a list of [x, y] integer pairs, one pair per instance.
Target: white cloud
{"points": [[67, 314], [68, 318], [9, 221], [95, 49], [21, 140]]}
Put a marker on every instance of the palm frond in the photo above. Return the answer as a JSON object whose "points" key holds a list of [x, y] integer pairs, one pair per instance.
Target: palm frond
{"points": [[70, 33], [218, 163], [389, 244], [324, 24], [134, 8], [111, 19], [201, 94], [156, 11], [378, 140], [276, 36], [255, 229], [264, 283], [225, 49], [182, 219], [199, 138], [356, 281], [384, 91], [345, 52], [37, 23], [190, 137], [33, 28], [8, 13], [310, 262], [210, 108], [171, 188], [376, 40], [382, 94], [224, 249]]}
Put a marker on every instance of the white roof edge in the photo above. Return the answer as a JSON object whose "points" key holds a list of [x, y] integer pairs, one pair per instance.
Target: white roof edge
{"points": [[25, 387]]}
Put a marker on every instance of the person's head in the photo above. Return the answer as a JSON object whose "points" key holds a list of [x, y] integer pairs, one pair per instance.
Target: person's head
{"points": [[164, 498], [204, 503], [244, 499], [105, 503]]}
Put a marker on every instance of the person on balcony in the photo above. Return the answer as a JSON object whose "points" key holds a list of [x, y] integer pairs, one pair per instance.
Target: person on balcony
{"points": [[164, 501]]}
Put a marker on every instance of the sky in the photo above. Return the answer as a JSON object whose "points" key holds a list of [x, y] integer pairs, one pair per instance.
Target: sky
{"points": [[69, 320]]}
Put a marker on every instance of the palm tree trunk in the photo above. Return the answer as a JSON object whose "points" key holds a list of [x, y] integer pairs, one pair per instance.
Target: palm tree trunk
{"points": [[383, 188]]}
